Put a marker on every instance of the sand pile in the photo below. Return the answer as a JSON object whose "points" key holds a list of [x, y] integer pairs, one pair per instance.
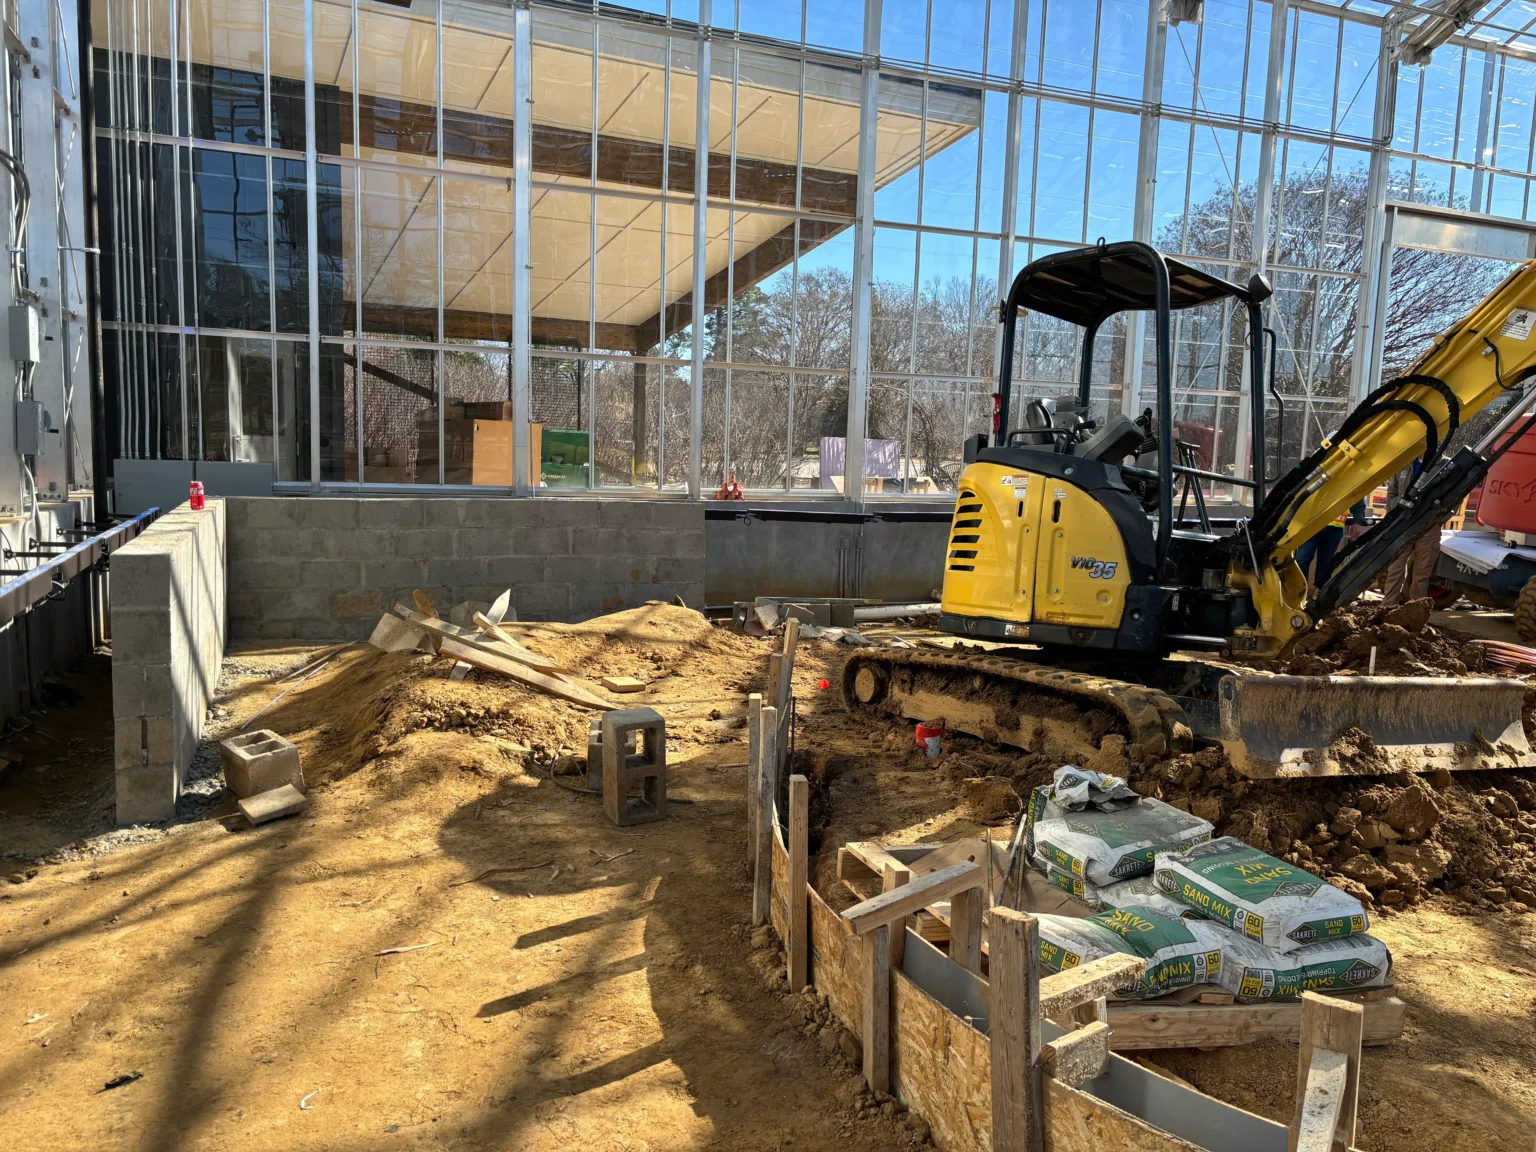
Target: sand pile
{"points": [[1390, 841], [367, 701]]}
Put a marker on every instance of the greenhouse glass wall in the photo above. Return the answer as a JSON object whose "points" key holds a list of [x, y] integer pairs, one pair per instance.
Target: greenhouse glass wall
{"points": [[474, 245]]}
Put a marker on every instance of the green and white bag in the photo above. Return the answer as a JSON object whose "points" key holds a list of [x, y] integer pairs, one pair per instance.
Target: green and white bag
{"points": [[1279, 905], [1250, 971], [1179, 953], [1142, 892], [1102, 847], [1075, 886], [1358, 961]]}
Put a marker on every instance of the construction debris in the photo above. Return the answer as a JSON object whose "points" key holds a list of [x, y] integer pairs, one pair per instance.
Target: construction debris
{"points": [[260, 761], [622, 684]]}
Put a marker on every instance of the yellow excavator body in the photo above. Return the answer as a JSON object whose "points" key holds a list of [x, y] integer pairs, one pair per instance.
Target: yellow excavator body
{"points": [[1029, 548]]}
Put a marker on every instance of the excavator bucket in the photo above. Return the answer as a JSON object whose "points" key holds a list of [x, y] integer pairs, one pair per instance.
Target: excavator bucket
{"points": [[1371, 725]]}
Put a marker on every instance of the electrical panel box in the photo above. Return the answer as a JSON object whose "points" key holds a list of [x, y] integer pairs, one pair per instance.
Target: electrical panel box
{"points": [[23, 334], [31, 423]]}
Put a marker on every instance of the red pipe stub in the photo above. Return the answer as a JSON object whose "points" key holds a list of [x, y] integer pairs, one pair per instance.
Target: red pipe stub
{"points": [[929, 737]]}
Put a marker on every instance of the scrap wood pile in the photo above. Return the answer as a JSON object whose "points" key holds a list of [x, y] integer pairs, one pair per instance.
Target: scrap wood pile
{"points": [[486, 646]]}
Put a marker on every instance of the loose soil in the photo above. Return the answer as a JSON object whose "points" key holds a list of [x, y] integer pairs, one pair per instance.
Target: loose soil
{"points": [[604, 991]]}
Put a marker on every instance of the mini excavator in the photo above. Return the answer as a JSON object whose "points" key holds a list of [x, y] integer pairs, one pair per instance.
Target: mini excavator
{"points": [[1065, 538]]}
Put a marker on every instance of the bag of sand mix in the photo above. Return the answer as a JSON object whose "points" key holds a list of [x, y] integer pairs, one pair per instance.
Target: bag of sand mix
{"points": [[1258, 896], [1102, 846], [1179, 953]]}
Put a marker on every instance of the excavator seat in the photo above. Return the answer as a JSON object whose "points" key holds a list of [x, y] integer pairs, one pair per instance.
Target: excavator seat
{"points": [[1119, 438]]}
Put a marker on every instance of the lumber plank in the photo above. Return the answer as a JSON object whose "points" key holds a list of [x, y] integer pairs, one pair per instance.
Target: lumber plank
{"points": [[754, 766], [767, 794], [877, 1009], [910, 898], [1331, 1025], [894, 877], [965, 929], [1079, 1056], [1014, 1033], [1063, 991], [551, 685], [443, 630], [799, 862], [494, 629], [424, 604], [1138, 1027], [837, 962], [1321, 1103], [864, 860]]}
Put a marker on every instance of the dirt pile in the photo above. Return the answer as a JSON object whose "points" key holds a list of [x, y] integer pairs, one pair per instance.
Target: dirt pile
{"points": [[1391, 841], [370, 700], [1406, 644]]}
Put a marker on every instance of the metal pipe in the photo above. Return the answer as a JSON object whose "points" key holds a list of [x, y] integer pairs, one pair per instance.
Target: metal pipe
{"points": [[1163, 293], [92, 244], [1257, 463], [1085, 374]]}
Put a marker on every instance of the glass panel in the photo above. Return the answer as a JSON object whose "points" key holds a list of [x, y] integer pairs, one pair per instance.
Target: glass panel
{"points": [[290, 244], [228, 57], [338, 411], [1122, 48], [1063, 161], [560, 285], [562, 114], [1112, 178], [398, 266], [624, 428], [230, 221], [759, 405], [824, 299], [397, 83], [628, 286], [290, 372], [958, 32], [898, 149], [398, 390], [949, 168], [166, 405], [333, 78], [285, 49], [944, 303], [234, 399], [779, 19], [337, 258], [477, 260], [885, 446], [895, 280], [944, 413], [477, 422], [477, 84], [904, 29], [713, 460], [835, 24], [819, 421]]}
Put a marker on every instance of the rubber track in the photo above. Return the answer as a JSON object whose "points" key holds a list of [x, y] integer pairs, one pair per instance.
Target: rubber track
{"points": [[1155, 724]]}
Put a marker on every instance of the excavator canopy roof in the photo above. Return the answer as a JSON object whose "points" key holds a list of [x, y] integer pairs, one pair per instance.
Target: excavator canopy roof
{"points": [[1085, 286]]}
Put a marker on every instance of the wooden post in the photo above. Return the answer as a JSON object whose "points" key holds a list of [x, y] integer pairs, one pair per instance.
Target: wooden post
{"points": [[965, 929], [786, 681], [754, 767], [1015, 1033], [877, 1009], [775, 674], [893, 876], [799, 862], [1327, 1074], [767, 791]]}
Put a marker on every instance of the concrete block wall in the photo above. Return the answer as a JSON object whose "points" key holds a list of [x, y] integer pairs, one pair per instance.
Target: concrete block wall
{"points": [[326, 568], [168, 602]]}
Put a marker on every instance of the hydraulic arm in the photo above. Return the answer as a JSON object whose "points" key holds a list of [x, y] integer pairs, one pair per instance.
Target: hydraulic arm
{"points": [[1489, 352]]}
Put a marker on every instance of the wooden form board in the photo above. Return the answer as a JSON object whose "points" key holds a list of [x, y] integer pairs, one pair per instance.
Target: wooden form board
{"points": [[1136, 1027], [940, 1065]]}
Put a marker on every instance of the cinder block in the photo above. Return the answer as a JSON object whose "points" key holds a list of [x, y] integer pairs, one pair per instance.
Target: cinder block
{"points": [[455, 572], [511, 512], [141, 579], [284, 801], [259, 762], [329, 512], [542, 601], [625, 569], [595, 541], [544, 542], [264, 512], [385, 573], [568, 569], [296, 543], [486, 542], [678, 514], [629, 514], [424, 543], [690, 545], [331, 574], [142, 635], [377, 512], [142, 690], [369, 602], [661, 542], [510, 570], [360, 543], [569, 512], [145, 795], [634, 743]]}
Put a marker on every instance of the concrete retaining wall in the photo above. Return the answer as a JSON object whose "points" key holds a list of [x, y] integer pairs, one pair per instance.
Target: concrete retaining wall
{"points": [[326, 568], [168, 628]]}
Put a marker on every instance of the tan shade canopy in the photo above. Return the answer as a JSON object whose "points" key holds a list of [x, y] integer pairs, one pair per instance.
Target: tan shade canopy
{"points": [[625, 261]]}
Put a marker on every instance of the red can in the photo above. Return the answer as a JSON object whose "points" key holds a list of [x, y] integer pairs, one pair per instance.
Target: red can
{"points": [[196, 497], [929, 737]]}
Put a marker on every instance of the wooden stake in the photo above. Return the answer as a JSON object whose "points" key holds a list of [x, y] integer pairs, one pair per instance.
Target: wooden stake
{"points": [[1328, 1025], [1015, 1033], [965, 929], [799, 863], [754, 768], [768, 790], [894, 876], [877, 1010]]}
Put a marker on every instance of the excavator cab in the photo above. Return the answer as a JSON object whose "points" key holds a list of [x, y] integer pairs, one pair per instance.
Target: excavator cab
{"points": [[1065, 530]]}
